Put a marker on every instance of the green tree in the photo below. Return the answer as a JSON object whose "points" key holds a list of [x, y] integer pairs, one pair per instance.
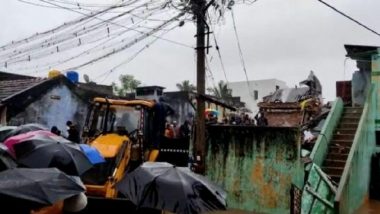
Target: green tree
{"points": [[128, 84], [221, 91], [186, 86]]}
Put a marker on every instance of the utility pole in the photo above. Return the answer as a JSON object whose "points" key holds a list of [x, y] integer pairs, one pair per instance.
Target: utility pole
{"points": [[199, 9]]}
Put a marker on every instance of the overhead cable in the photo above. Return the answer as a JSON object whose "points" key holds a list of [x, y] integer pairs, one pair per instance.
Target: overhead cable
{"points": [[208, 68], [349, 17], [168, 40], [129, 59], [218, 49], [49, 43], [145, 35], [64, 25], [240, 50]]}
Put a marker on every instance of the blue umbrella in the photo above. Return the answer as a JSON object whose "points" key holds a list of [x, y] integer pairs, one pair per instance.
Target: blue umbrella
{"points": [[92, 154]]}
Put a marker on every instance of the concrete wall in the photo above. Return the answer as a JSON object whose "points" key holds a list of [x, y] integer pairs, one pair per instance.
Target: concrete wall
{"points": [[255, 165], [53, 109], [264, 88]]}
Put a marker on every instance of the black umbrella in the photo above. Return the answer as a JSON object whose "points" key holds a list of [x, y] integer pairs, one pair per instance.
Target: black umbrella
{"points": [[25, 128], [29, 140], [43, 186], [6, 161], [4, 130], [67, 157], [176, 189]]}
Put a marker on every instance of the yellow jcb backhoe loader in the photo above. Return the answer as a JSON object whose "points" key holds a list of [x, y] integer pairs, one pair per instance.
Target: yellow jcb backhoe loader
{"points": [[120, 130]]}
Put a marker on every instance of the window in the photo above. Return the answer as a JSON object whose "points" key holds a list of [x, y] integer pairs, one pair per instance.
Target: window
{"points": [[256, 94], [144, 92]]}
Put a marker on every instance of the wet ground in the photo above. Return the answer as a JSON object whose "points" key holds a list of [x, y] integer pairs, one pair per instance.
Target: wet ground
{"points": [[233, 211], [370, 207]]}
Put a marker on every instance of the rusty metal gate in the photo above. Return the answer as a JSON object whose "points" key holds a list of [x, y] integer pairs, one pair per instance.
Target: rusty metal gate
{"points": [[295, 199]]}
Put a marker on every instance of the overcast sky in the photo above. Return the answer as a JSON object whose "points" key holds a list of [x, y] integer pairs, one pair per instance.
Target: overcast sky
{"points": [[282, 39]]}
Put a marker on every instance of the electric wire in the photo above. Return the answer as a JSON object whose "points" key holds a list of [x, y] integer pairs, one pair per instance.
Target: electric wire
{"points": [[83, 4], [240, 50], [76, 38], [349, 17], [56, 29], [77, 6], [65, 25], [113, 69], [50, 65], [87, 51], [208, 68], [145, 35], [218, 49], [71, 35], [168, 40], [94, 16]]}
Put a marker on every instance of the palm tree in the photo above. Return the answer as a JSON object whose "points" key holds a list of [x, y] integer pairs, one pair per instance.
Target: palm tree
{"points": [[221, 91], [186, 86]]}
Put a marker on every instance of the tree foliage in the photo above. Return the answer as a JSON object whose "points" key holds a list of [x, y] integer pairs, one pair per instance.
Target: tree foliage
{"points": [[221, 91], [128, 84], [186, 86]]}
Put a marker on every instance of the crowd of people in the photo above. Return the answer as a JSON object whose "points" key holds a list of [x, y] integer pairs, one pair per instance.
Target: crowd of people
{"points": [[73, 133], [173, 131], [236, 119]]}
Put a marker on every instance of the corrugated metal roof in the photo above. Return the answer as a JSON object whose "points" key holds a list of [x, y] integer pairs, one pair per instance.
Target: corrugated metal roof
{"points": [[287, 95], [12, 87], [9, 76]]}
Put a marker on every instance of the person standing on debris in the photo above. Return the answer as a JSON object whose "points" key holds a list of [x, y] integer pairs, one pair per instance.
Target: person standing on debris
{"points": [[184, 129], [73, 132], [169, 133], [161, 110], [175, 129], [261, 120]]}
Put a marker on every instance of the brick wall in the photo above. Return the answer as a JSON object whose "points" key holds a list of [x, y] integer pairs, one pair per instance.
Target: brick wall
{"points": [[284, 118]]}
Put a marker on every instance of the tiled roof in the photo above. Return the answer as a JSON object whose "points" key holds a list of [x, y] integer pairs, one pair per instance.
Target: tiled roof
{"points": [[10, 76], [12, 87]]}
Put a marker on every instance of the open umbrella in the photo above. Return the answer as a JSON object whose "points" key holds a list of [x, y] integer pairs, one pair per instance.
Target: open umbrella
{"points": [[211, 111], [92, 154], [4, 130], [44, 186], [25, 128], [176, 189], [6, 161], [67, 157], [41, 135]]}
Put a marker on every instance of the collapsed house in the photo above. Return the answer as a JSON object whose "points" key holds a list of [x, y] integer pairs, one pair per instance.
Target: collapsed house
{"points": [[291, 107]]}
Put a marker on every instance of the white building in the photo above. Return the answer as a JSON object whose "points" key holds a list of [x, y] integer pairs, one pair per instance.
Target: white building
{"points": [[256, 91], [149, 92]]}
